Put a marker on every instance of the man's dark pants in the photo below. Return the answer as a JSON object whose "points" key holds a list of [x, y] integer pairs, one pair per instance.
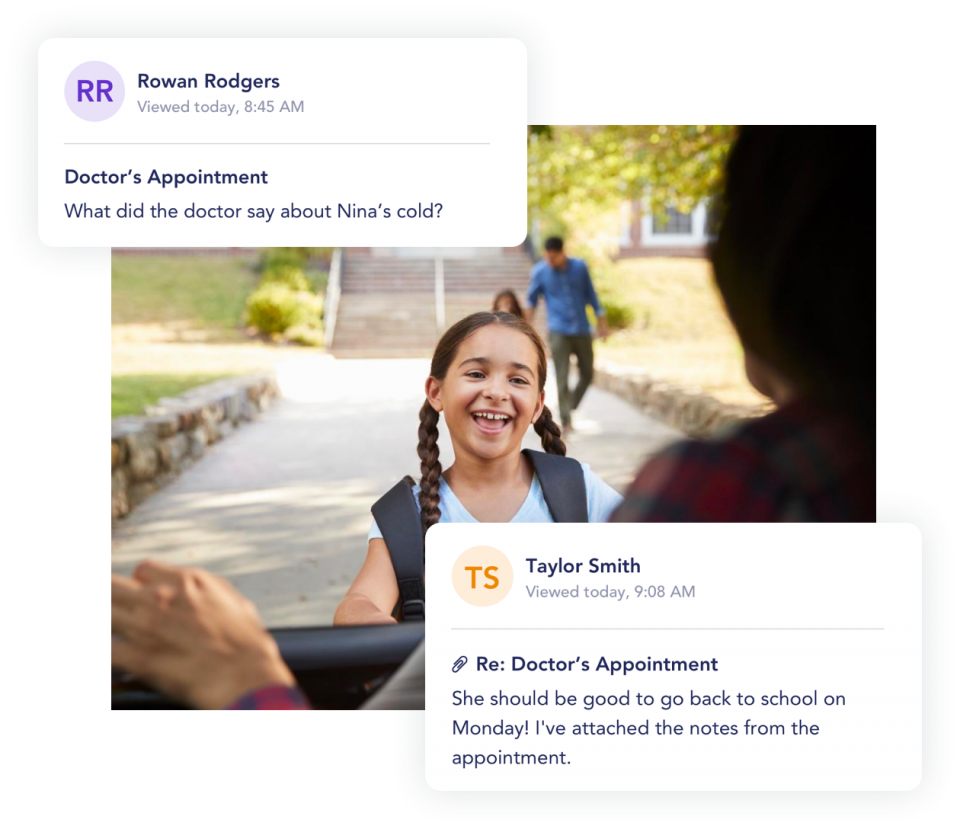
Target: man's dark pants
{"points": [[563, 346]]}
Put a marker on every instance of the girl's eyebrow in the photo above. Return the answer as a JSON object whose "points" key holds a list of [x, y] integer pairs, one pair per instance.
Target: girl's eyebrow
{"points": [[484, 361]]}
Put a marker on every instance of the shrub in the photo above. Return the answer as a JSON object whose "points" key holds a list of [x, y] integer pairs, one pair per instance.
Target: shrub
{"points": [[313, 308], [619, 314], [276, 258], [274, 307], [293, 278], [304, 335]]}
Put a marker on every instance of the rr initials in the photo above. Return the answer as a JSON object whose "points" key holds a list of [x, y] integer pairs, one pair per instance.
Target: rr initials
{"points": [[104, 88]]}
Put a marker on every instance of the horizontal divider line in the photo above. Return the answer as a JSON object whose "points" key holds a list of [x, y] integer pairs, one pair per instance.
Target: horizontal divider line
{"points": [[667, 628], [276, 143]]}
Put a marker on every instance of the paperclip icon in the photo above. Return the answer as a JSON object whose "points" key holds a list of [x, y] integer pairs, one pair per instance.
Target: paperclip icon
{"points": [[459, 663]]}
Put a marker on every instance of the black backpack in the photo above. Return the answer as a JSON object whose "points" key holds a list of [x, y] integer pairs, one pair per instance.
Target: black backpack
{"points": [[397, 516]]}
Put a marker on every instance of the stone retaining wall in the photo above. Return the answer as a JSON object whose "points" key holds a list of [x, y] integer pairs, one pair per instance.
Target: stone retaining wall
{"points": [[148, 451], [688, 410]]}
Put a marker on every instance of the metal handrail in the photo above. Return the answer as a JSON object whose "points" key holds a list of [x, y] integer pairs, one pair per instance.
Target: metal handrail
{"points": [[332, 301], [531, 241]]}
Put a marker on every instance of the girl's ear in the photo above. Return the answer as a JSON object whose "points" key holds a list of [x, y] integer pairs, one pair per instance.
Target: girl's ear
{"points": [[432, 388], [540, 404]]}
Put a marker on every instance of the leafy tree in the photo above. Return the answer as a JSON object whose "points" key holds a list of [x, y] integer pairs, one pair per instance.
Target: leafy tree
{"points": [[579, 176], [676, 166]]}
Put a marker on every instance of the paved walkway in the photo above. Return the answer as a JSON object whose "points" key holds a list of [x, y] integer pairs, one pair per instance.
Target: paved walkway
{"points": [[282, 507]]}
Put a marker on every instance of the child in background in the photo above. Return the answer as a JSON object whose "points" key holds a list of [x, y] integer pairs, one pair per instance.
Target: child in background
{"points": [[507, 301]]}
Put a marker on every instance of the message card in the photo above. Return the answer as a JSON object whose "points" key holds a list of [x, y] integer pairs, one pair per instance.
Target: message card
{"points": [[673, 657], [200, 142]]}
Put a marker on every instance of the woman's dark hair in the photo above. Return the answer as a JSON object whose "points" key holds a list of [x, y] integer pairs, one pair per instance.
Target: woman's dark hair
{"points": [[446, 350], [511, 298], [795, 258]]}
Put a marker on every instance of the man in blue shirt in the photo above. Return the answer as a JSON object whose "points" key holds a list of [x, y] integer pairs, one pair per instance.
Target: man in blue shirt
{"points": [[565, 285]]}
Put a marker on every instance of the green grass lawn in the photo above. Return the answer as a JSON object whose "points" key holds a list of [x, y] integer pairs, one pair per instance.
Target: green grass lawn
{"points": [[178, 323], [673, 298], [171, 298], [204, 291], [681, 332], [131, 392]]}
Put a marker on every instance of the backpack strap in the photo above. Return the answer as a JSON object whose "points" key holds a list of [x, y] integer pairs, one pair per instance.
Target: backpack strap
{"points": [[563, 486], [397, 517]]}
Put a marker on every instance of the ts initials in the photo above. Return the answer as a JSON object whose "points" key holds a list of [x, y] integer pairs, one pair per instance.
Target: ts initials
{"points": [[488, 572]]}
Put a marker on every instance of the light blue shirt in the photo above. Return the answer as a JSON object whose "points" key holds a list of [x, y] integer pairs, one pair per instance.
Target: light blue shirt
{"points": [[602, 500], [567, 293]]}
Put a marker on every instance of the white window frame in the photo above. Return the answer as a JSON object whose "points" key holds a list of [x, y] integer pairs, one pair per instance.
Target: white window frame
{"points": [[696, 238]]}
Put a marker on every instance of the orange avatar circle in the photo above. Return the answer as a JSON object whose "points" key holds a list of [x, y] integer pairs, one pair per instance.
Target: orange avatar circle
{"points": [[482, 576]]}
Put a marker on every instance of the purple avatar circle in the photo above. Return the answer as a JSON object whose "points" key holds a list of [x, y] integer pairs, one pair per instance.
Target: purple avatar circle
{"points": [[94, 91]]}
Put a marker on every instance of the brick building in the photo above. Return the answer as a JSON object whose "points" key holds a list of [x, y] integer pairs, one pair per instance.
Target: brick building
{"points": [[683, 234]]}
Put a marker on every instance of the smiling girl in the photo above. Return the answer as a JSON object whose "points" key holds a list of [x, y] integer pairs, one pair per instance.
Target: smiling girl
{"points": [[487, 379]]}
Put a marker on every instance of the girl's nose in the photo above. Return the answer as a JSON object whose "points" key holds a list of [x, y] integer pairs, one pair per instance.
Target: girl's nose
{"points": [[496, 389]]}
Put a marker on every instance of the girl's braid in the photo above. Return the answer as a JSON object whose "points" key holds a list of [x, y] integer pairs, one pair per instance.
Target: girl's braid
{"points": [[430, 467], [549, 433]]}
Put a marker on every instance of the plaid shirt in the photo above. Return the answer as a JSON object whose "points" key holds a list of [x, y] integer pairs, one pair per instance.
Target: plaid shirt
{"points": [[800, 463], [275, 709]]}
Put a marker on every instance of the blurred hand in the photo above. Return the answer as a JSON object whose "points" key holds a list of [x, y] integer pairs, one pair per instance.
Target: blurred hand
{"points": [[602, 330], [192, 636]]}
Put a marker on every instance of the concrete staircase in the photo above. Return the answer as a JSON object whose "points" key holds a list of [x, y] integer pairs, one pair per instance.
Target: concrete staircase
{"points": [[488, 275], [387, 305], [385, 325]]}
